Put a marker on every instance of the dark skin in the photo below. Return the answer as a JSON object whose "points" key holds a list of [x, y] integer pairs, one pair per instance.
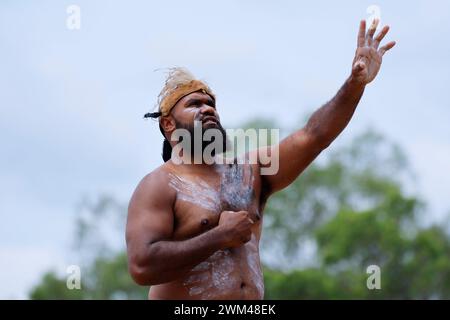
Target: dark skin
{"points": [[188, 251]]}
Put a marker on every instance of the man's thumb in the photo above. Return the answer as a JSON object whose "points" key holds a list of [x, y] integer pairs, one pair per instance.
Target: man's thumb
{"points": [[359, 65]]}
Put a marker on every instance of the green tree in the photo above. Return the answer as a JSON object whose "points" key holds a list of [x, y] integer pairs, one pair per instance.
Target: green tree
{"points": [[105, 278], [99, 244]]}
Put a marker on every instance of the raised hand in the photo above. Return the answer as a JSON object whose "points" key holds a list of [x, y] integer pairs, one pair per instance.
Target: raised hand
{"points": [[368, 56]]}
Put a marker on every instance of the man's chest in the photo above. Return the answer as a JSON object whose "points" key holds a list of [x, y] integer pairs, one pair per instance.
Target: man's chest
{"points": [[199, 201]]}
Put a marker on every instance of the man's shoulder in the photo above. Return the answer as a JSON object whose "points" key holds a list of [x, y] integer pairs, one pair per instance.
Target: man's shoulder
{"points": [[152, 193], [156, 180], [157, 173]]}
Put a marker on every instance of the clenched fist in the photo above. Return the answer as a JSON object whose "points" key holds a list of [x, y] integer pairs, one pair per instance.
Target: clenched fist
{"points": [[236, 227]]}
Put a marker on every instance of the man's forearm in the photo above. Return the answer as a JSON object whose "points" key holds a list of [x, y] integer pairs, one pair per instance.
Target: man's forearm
{"points": [[328, 122], [166, 261]]}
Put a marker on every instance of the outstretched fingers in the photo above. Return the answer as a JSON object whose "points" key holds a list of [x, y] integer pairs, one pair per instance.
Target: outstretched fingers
{"points": [[371, 31], [386, 47], [380, 36], [362, 33]]}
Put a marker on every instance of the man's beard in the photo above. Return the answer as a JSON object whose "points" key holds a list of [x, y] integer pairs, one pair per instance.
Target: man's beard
{"points": [[191, 129]]}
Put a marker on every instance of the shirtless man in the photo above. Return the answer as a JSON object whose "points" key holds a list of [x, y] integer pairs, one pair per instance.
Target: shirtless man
{"points": [[193, 230]]}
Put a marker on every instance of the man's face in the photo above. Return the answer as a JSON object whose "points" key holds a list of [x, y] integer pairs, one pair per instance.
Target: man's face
{"points": [[198, 106]]}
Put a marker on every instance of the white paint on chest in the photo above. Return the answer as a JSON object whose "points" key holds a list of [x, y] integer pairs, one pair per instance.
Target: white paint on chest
{"points": [[197, 192], [220, 272], [234, 191]]}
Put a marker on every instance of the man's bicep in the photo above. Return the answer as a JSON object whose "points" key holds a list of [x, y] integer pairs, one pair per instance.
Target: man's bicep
{"points": [[150, 216], [292, 155]]}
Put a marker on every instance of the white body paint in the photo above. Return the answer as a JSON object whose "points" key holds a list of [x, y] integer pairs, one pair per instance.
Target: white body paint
{"points": [[221, 272], [197, 192]]}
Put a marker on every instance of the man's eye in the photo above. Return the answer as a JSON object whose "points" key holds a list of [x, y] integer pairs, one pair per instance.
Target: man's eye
{"points": [[196, 105]]}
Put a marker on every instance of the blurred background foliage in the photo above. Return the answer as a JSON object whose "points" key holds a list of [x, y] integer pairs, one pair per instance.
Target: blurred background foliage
{"points": [[347, 211]]}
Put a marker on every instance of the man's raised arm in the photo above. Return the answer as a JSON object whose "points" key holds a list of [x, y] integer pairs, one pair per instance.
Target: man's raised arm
{"points": [[299, 149], [153, 257]]}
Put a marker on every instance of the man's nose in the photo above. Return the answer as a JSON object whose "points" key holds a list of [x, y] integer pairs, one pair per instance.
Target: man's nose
{"points": [[207, 110]]}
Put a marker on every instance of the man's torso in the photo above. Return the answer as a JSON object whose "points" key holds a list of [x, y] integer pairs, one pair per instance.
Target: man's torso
{"points": [[233, 273]]}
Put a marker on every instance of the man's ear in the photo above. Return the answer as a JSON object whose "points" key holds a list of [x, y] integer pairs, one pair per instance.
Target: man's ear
{"points": [[167, 123]]}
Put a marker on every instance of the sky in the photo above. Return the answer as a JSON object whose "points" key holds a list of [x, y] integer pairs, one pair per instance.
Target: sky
{"points": [[72, 100]]}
